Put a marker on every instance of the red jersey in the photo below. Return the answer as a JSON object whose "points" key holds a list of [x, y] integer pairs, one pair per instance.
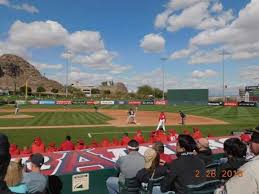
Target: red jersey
{"points": [[80, 147], [51, 149], [115, 142], [125, 140], [162, 116], [14, 150], [37, 148], [25, 151], [197, 135], [105, 143], [139, 138], [67, 146], [165, 158]]}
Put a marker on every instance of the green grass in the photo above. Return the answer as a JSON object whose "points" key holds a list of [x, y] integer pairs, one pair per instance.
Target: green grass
{"points": [[57, 118], [238, 118]]}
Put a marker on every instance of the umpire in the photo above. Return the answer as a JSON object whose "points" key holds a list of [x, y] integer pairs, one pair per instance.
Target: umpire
{"points": [[183, 116]]}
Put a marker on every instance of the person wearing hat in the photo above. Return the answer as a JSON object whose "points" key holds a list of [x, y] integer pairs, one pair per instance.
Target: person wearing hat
{"points": [[128, 167], [37, 146], [139, 137], [203, 151], [160, 149], [5, 158], [152, 169], [246, 181], [246, 138], [34, 180]]}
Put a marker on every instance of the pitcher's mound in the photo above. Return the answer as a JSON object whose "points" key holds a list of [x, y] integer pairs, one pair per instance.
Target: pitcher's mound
{"points": [[19, 116]]}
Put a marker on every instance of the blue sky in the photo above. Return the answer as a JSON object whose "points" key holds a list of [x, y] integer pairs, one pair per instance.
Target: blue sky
{"points": [[125, 40]]}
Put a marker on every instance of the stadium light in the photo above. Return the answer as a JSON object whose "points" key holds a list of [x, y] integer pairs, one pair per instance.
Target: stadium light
{"points": [[163, 69], [223, 53], [68, 54]]}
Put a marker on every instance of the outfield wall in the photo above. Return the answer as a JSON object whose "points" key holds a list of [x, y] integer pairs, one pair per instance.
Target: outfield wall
{"points": [[188, 96]]}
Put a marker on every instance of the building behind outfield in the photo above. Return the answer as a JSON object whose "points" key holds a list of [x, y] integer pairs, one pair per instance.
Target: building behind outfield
{"points": [[188, 96]]}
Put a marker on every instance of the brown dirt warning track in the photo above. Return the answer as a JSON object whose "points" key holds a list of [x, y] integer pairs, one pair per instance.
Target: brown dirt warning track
{"points": [[144, 118]]}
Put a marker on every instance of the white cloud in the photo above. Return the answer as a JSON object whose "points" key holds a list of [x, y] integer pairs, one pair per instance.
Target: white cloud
{"points": [[182, 53], [250, 73], [152, 43], [85, 41], [24, 7], [198, 14], [217, 7], [206, 57], [42, 66], [203, 74], [37, 34]]}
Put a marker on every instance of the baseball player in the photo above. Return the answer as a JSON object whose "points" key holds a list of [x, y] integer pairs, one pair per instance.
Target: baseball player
{"points": [[162, 120], [16, 108], [131, 116], [183, 116]]}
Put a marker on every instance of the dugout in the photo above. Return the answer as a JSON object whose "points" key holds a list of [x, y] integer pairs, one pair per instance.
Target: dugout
{"points": [[188, 96]]}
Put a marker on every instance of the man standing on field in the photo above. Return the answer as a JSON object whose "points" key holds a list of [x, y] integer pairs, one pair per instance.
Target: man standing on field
{"points": [[161, 120]]}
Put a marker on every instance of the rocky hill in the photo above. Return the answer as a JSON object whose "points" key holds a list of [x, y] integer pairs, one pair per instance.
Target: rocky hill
{"points": [[16, 69]]}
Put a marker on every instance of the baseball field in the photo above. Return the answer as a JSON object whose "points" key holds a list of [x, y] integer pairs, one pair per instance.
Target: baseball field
{"points": [[52, 123]]}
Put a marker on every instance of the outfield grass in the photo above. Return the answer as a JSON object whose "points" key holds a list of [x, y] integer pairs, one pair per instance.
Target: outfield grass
{"points": [[57, 118]]}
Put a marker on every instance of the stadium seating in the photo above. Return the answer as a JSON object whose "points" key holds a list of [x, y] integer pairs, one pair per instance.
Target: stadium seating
{"points": [[207, 187], [147, 188], [131, 186]]}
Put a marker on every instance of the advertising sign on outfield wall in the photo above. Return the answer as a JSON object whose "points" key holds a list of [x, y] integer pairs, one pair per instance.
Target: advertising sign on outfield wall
{"points": [[134, 102], [148, 102], [121, 102], [215, 103], [160, 102], [34, 102], [49, 102], [107, 102], [20, 102], [64, 102], [249, 104], [91, 102], [78, 102], [230, 104]]}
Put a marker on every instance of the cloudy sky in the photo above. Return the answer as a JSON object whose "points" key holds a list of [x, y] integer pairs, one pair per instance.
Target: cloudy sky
{"points": [[127, 40]]}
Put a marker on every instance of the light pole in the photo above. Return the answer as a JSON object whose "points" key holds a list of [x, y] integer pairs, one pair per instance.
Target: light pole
{"points": [[163, 70], [67, 53], [223, 53]]}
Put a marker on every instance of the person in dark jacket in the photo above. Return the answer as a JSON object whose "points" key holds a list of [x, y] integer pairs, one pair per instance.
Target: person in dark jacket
{"points": [[5, 158], [151, 169], [187, 169], [203, 151], [235, 150]]}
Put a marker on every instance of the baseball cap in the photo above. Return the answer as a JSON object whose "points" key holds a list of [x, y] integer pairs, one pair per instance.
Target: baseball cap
{"points": [[203, 142], [245, 137], [149, 156], [37, 159]]}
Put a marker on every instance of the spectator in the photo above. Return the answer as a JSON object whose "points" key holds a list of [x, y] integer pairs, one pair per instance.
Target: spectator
{"points": [[34, 180], [5, 158], [52, 148], [105, 142], [187, 169], [125, 139], [235, 150], [25, 151], [196, 133], [246, 138], [172, 136], [128, 166], [247, 181], [151, 169], [94, 144], [14, 151], [203, 151], [161, 136], [186, 132], [152, 137], [80, 145], [13, 177], [38, 146], [139, 137], [164, 158], [115, 142], [67, 145]]}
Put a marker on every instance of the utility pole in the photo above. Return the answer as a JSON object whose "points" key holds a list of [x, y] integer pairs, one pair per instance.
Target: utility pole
{"points": [[163, 70], [68, 53], [223, 53]]}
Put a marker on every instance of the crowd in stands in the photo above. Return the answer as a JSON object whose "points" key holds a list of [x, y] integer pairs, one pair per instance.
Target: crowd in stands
{"points": [[194, 165]]}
